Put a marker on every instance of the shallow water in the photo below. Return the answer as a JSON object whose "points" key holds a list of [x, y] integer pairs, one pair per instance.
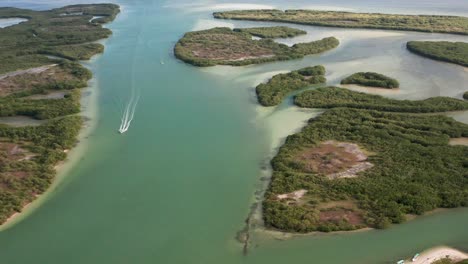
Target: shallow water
{"points": [[178, 185], [6, 22]]}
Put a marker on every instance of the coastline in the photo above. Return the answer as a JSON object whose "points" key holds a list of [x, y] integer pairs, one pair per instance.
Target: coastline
{"points": [[90, 115]]}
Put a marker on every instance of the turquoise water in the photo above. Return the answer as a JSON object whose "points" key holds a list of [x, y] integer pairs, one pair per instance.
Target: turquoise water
{"points": [[178, 185]]}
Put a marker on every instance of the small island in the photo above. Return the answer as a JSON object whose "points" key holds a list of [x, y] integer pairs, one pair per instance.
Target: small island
{"points": [[41, 80], [274, 91], [453, 52], [223, 46], [423, 23], [368, 161], [371, 79]]}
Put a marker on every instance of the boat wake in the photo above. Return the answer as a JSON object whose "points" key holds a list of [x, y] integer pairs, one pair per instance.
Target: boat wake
{"points": [[128, 113]]}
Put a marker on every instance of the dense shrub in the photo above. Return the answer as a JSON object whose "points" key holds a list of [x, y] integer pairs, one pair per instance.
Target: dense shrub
{"points": [[272, 32], [415, 170], [273, 92], [454, 52], [331, 97], [372, 79]]}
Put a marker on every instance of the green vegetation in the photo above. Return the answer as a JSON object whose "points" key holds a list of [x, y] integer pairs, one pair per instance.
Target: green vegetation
{"points": [[41, 109], [331, 97], [423, 23], [272, 32], [223, 46], [74, 52], [29, 170], [372, 79], [415, 171], [59, 32], [273, 92], [465, 95], [28, 155], [454, 52]]}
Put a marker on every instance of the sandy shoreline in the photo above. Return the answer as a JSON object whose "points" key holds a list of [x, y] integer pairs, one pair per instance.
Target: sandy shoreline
{"points": [[89, 113], [431, 255]]}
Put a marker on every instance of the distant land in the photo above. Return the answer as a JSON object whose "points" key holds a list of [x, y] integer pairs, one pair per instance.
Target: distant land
{"points": [[422, 23]]}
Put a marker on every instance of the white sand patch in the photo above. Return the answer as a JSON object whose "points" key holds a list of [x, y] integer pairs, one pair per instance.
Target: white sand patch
{"points": [[432, 255], [296, 195], [343, 35], [203, 24], [256, 79], [371, 90]]}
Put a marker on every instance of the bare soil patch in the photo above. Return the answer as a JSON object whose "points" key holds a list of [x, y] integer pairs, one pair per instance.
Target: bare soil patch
{"points": [[226, 47], [334, 159], [28, 79], [337, 215], [459, 141]]}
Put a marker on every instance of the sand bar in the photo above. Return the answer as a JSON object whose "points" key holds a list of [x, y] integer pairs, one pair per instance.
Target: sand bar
{"points": [[437, 253]]}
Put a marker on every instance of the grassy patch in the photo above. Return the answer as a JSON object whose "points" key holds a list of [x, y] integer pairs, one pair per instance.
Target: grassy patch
{"points": [[223, 46], [454, 52], [272, 32], [371, 79], [331, 97], [274, 91], [424, 23], [74, 52]]}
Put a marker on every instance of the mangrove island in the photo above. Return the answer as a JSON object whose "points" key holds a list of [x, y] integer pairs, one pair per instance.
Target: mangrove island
{"points": [[223, 46], [371, 79], [358, 165], [453, 52], [274, 91]]}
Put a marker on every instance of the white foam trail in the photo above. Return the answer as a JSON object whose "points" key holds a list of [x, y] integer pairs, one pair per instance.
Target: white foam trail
{"points": [[129, 112]]}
